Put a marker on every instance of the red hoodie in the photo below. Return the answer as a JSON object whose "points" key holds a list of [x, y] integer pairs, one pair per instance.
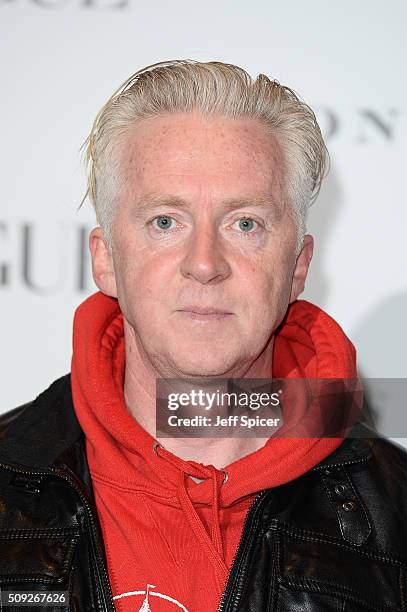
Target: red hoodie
{"points": [[169, 540]]}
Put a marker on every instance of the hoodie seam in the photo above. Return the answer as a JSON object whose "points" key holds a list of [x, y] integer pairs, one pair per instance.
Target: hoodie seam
{"points": [[131, 488], [164, 539]]}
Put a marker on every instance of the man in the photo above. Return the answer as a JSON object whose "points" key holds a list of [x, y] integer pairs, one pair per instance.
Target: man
{"points": [[201, 178]]}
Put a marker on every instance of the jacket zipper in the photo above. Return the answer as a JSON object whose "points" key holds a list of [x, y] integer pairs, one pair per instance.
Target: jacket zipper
{"points": [[241, 550], [107, 597]]}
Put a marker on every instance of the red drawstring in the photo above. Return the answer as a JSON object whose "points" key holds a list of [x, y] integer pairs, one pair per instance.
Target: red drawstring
{"points": [[217, 481], [212, 543]]}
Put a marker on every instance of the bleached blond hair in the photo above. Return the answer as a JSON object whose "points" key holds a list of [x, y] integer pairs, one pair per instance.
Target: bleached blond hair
{"points": [[213, 88]]}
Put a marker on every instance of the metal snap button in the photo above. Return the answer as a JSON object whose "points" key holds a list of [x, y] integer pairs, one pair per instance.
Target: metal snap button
{"points": [[225, 476], [349, 506], [340, 488], [157, 445]]}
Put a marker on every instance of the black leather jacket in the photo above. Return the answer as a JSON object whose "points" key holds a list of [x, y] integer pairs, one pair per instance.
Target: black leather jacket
{"points": [[332, 540]]}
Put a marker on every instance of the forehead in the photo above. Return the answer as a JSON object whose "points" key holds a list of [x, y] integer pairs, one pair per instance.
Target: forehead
{"points": [[192, 152]]}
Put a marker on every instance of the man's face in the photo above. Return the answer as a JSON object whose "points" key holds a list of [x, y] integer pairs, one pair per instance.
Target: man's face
{"points": [[202, 225]]}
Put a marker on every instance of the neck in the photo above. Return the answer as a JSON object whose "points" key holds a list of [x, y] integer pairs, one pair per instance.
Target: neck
{"points": [[140, 397]]}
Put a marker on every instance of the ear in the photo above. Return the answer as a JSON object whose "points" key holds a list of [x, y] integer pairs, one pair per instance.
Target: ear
{"points": [[102, 263], [301, 267]]}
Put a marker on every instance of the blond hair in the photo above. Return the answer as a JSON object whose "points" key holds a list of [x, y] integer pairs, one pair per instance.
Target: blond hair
{"points": [[213, 88]]}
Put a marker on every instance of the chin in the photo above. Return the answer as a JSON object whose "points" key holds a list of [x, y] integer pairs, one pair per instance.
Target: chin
{"points": [[203, 367]]}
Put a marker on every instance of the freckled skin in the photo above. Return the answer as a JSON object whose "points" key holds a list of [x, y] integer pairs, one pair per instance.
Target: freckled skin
{"points": [[204, 258]]}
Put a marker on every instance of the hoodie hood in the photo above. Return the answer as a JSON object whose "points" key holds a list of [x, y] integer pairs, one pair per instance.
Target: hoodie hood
{"points": [[308, 344]]}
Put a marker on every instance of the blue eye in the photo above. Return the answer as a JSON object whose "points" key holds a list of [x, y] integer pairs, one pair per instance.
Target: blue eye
{"points": [[164, 222], [246, 224]]}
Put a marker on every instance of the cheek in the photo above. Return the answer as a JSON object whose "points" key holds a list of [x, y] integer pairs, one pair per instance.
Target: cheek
{"points": [[142, 285], [272, 288]]}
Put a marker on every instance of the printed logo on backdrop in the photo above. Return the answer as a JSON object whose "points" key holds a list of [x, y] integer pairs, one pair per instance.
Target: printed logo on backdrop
{"points": [[364, 125], [150, 597], [60, 4], [45, 258]]}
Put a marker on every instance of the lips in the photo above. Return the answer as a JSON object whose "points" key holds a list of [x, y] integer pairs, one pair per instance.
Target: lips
{"points": [[205, 313], [205, 310]]}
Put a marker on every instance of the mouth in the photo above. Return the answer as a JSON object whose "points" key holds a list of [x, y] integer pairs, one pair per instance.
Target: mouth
{"points": [[199, 313]]}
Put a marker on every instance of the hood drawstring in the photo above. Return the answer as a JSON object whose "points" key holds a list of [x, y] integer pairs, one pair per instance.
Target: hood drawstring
{"points": [[213, 542]]}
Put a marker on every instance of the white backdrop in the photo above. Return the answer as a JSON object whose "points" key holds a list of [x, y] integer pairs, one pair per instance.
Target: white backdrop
{"points": [[61, 59]]}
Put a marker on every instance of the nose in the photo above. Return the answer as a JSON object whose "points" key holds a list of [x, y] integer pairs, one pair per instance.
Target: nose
{"points": [[204, 259]]}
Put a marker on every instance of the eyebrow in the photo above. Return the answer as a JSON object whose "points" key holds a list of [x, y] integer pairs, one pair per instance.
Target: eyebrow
{"points": [[150, 202]]}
